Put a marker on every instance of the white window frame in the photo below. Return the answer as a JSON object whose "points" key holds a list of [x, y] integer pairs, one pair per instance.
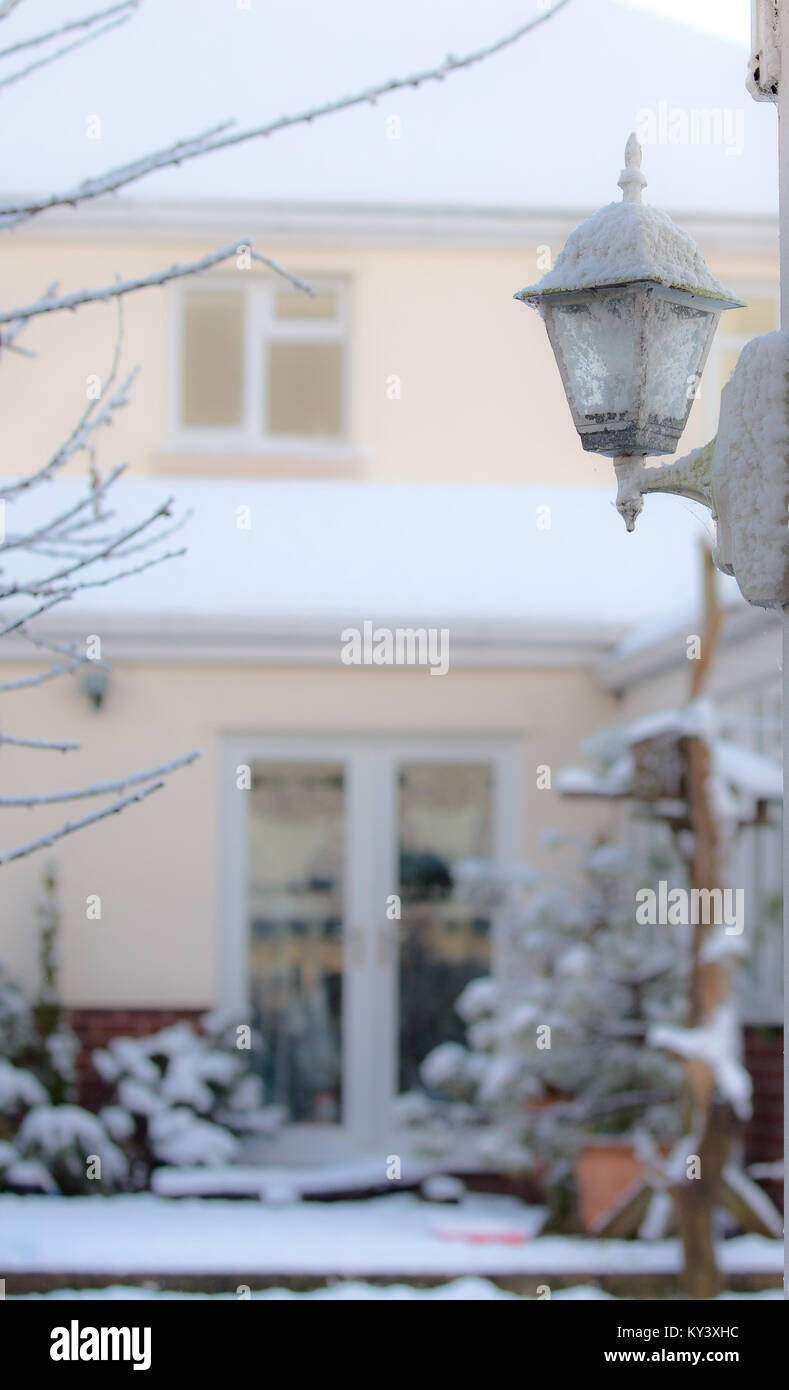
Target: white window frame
{"points": [[260, 327]]}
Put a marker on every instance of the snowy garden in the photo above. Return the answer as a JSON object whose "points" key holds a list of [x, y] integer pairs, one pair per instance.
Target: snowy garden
{"points": [[571, 1087], [578, 1128]]}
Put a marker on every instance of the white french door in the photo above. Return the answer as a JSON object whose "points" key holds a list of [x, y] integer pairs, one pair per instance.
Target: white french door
{"points": [[345, 937]]}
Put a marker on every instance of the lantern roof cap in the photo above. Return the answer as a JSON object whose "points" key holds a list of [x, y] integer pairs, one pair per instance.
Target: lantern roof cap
{"points": [[629, 241]]}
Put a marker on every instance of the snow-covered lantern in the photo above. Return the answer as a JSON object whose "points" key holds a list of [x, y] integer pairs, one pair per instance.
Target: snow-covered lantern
{"points": [[631, 310]]}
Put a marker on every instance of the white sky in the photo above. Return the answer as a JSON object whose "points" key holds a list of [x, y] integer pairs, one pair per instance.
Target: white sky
{"points": [[730, 19], [541, 124]]}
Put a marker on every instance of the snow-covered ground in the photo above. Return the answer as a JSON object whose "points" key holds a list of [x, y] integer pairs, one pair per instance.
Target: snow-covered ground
{"points": [[397, 1235], [464, 1290]]}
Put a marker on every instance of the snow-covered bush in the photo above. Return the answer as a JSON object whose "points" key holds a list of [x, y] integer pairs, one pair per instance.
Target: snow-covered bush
{"points": [[184, 1097], [73, 1147], [557, 1049], [47, 1144]]}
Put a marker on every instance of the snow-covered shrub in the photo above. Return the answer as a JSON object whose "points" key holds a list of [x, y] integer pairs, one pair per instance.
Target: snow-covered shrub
{"points": [[72, 1146], [46, 1143], [557, 1050], [184, 1097]]}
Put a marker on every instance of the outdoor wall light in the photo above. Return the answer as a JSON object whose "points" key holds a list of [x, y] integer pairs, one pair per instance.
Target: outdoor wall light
{"points": [[631, 310], [95, 683]]}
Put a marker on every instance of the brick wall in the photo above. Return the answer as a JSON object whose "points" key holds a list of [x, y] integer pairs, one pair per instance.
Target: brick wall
{"points": [[95, 1027], [764, 1134]]}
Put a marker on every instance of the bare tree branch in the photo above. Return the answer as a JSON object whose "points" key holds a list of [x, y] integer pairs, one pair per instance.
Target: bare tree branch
{"points": [[61, 52], [103, 294], [17, 623], [101, 788], [44, 841], [224, 137], [52, 526], [38, 743], [70, 651], [68, 28], [25, 682], [43, 586]]}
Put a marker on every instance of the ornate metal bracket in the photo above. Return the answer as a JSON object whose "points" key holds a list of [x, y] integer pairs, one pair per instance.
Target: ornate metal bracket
{"points": [[690, 476]]}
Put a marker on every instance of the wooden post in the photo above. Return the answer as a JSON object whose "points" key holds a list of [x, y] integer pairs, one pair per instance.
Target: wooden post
{"points": [[711, 1120]]}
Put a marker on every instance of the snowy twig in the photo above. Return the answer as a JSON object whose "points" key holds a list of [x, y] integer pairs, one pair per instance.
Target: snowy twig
{"points": [[68, 28], [25, 682], [119, 574], [100, 788], [43, 586], [90, 421], [49, 528], [67, 48], [38, 743], [17, 623], [48, 644], [103, 294], [223, 137], [44, 841]]}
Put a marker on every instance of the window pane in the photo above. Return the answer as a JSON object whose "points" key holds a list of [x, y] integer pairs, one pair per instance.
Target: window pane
{"points": [[212, 367], [759, 316], [295, 304], [305, 388], [296, 900], [445, 814]]}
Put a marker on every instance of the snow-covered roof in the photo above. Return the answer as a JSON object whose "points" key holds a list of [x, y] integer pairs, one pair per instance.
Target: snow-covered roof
{"points": [[533, 126], [394, 551]]}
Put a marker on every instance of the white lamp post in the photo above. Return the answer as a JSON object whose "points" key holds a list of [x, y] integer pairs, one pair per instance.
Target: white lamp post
{"points": [[631, 310]]}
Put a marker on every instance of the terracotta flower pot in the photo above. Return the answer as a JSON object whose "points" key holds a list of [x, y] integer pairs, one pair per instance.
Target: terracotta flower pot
{"points": [[603, 1173]]}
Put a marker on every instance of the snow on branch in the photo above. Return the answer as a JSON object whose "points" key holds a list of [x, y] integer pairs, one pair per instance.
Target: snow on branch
{"points": [[34, 587], [38, 743], [26, 682], [44, 841], [225, 136], [68, 27], [52, 529], [101, 788], [104, 294], [92, 419], [121, 13]]}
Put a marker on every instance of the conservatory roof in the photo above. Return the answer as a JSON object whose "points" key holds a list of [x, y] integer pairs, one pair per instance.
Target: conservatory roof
{"points": [[555, 559]]}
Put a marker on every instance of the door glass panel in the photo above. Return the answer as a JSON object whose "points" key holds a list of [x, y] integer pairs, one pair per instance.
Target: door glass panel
{"points": [[444, 815], [296, 897]]}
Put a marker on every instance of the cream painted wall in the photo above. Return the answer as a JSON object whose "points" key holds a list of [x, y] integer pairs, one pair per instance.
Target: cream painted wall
{"points": [[157, 867], [481, 397], [749, 665]]}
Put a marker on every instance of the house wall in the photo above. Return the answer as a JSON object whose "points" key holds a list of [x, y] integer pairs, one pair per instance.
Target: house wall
{"points": [[481, 399], [159, 941]]}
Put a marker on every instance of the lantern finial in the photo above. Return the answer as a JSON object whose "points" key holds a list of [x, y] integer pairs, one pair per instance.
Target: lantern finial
{"points": [[631, 180]]}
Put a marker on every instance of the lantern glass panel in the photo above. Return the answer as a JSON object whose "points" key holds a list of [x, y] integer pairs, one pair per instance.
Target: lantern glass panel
{"points": [[676, 338], [597, 340]]}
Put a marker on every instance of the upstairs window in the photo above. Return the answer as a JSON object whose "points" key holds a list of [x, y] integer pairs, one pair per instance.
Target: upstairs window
{"points": [[262, 365]]}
